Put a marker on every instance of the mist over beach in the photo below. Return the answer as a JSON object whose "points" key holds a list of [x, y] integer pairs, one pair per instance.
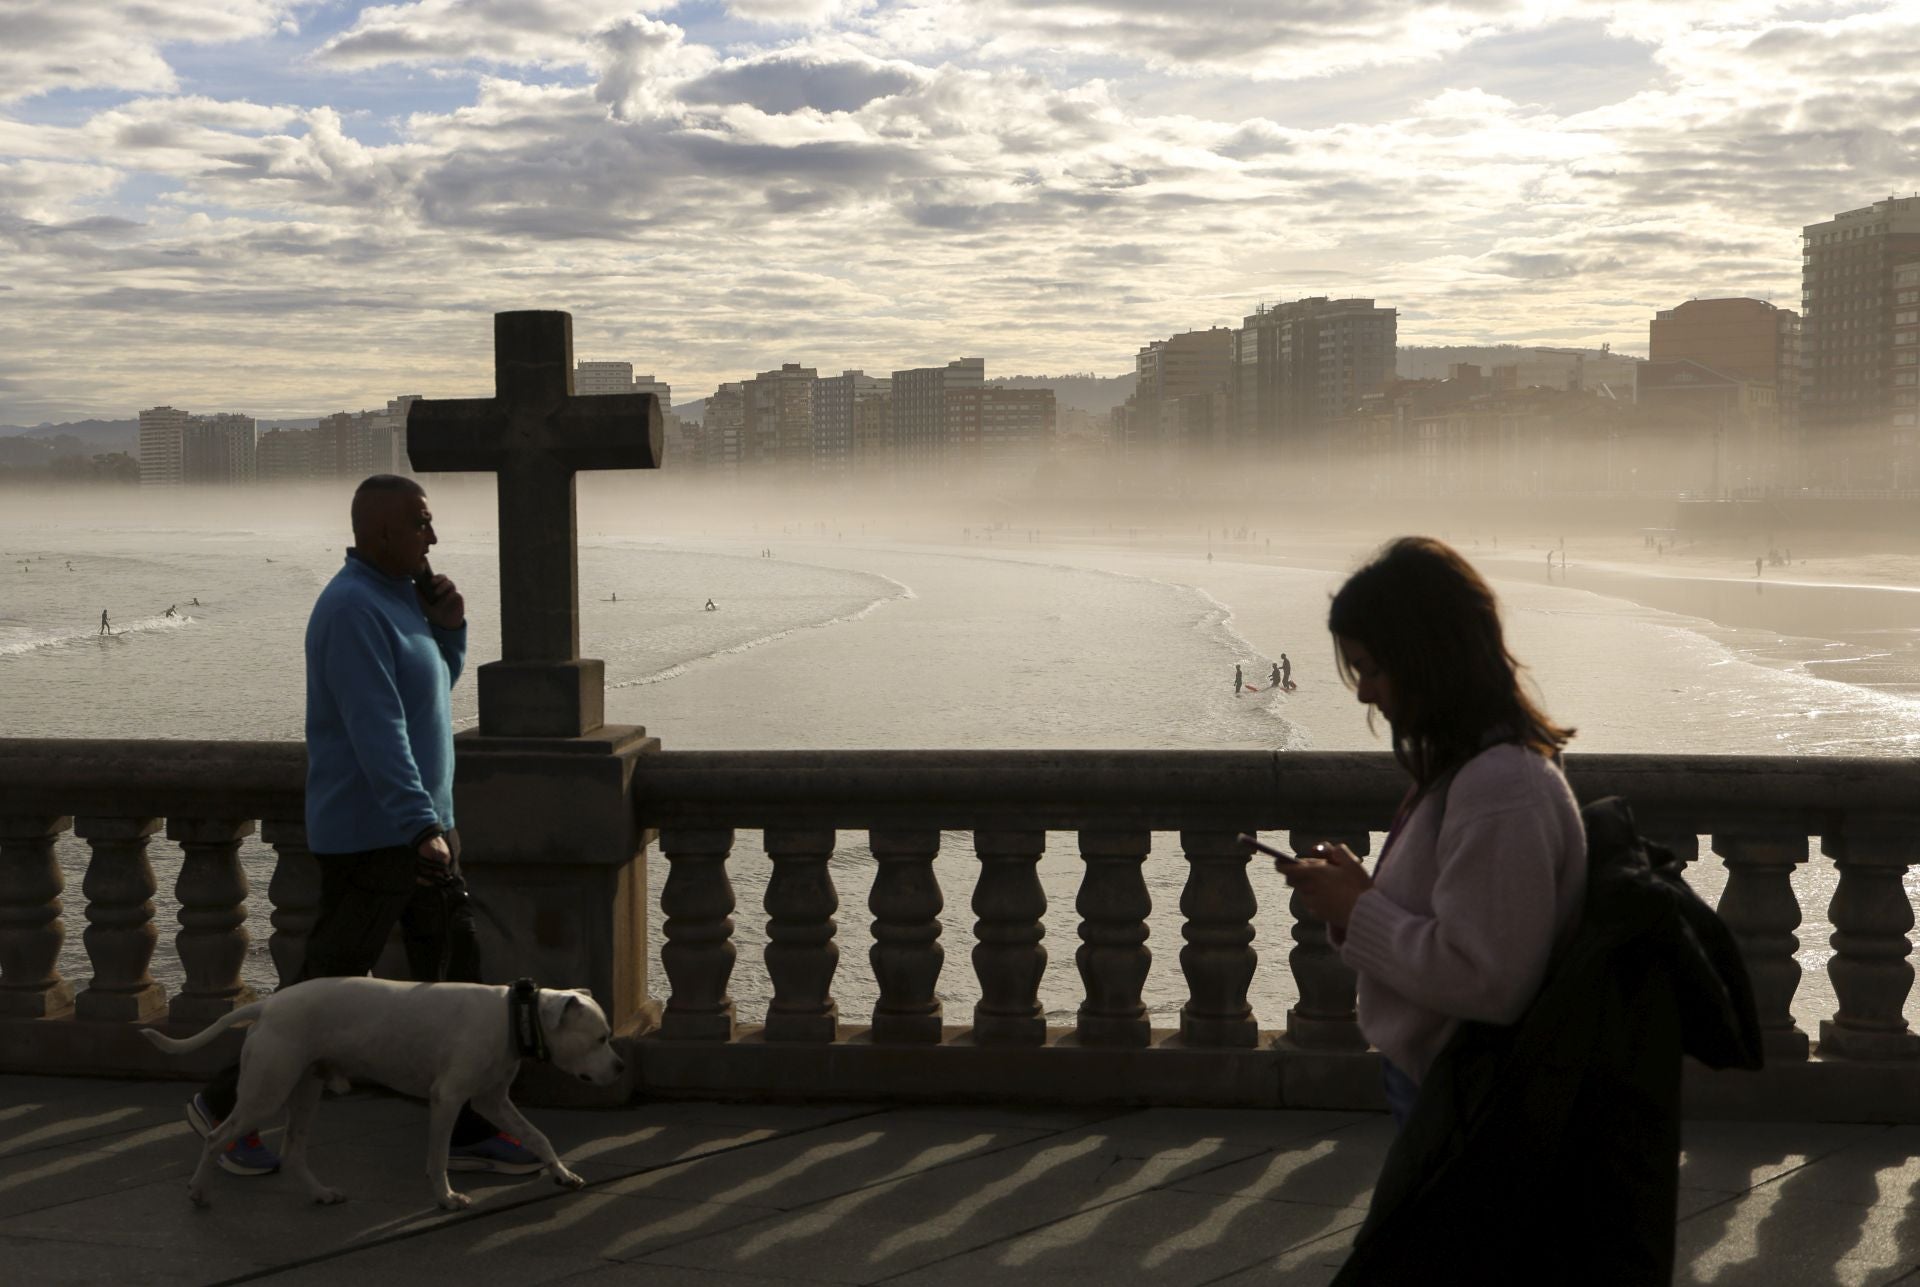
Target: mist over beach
{"points": [[940, 617]]}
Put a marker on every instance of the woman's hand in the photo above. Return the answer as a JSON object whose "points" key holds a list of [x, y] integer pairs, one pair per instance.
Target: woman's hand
{"points": [[1330, 880]]}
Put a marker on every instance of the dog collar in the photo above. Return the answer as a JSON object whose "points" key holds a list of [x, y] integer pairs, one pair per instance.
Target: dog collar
{"points": [[523, 1020]]}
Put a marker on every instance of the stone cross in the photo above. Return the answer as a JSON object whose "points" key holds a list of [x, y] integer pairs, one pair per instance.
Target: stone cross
{"points": [[535, 434]]}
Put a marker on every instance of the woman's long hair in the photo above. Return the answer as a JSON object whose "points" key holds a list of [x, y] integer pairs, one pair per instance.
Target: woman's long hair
{"points": [[1432, 625]]}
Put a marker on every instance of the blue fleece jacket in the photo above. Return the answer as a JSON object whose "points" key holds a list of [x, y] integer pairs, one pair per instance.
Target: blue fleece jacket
{"points": [[379, 718]]}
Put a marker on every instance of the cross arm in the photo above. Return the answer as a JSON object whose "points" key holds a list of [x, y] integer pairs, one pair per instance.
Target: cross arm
{"points": [[446, 435], [612, 431]]}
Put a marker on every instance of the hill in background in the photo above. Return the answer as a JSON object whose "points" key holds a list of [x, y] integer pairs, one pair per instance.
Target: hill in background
{"points": [[74, 438]]}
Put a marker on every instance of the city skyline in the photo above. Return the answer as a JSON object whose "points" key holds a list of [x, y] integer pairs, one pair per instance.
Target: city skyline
{"points": [[321, 202]]}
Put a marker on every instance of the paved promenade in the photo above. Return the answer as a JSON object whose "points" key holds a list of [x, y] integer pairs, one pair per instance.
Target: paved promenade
{"points": [[93, 1189]]}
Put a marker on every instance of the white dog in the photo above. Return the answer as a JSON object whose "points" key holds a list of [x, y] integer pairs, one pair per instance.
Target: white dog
{"points": [[447, 1043]]}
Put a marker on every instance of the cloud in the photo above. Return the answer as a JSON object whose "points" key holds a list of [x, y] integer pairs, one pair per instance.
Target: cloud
{"points": [[509, 32], [1299, 39], [1046, 184], [797, 80], [641, 65], [115, 44]]}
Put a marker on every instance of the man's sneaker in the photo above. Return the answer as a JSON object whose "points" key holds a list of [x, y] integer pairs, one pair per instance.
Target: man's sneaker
{"points": [[501, 1154], [246, 1156]]}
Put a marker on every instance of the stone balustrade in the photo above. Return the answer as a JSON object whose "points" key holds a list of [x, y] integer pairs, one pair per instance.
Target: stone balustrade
{"points": [[1757, 815]]}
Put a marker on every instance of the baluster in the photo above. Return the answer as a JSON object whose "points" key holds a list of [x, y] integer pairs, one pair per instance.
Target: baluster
{"points": [[120, 932], [906, 953], [212, 942], [1323, 1018], [31, 930], [1218, 906], [1114, 957], [1008, 956], [698, 953], [1761, 912], [1871, 976], [801, 954], [294, 892], [1685, 846]]}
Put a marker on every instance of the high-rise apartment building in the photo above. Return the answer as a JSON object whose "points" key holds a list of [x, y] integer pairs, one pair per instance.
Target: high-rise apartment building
{"points": [[1903, 438], [873, 427], [1015, 424], [391, 435], [1299, 366], [936, 412], [836, 403], [219, 449], [1176, 381], [779, 408], [355, 444], [162, 446], [284, 456], [1850, 306], [658, 388], [1748, 338], [593, 379], [723, 431]]}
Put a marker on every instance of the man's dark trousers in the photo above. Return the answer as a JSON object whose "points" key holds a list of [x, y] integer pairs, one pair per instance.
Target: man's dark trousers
{"points": [[362, 897]]}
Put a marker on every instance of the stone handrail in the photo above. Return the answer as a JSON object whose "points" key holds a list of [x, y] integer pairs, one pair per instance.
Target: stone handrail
{"points": [[1756, 814]]}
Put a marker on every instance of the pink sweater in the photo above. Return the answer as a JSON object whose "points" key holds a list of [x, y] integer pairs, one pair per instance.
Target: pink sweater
{"points": [[1462, 917]]}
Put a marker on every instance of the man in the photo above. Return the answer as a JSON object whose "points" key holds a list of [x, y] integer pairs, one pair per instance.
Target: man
{"points": [[1286, 673], [385, 645]]}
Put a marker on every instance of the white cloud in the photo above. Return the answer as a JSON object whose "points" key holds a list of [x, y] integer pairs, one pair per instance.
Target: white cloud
{"points": [[514, 32], [866, 194], [641, 63], [115, 44]]}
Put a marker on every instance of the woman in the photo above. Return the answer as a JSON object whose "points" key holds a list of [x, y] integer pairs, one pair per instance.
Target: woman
{"points": [[1485, 867]]}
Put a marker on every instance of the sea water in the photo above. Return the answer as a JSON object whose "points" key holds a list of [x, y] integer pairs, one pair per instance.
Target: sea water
{"points": [[830, 644]]}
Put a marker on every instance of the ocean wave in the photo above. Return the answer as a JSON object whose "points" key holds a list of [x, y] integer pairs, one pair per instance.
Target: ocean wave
{"points": [[901, 591], [143, 625]]}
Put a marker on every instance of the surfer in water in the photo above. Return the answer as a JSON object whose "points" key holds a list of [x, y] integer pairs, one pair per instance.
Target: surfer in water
{"points": [[712, 606], [1286, 673], [105, 627], [170, 610], [1238, 682], [1273, 676]]}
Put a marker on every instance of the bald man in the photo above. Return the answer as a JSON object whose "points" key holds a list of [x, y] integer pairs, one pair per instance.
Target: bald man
{"points": [[385, 645]]}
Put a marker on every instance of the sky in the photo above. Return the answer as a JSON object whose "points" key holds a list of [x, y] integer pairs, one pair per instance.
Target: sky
{"points": [[288, 207]]}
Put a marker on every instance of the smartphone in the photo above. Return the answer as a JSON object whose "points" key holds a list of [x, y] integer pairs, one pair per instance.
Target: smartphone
{"points": [[1279, 854], [423, 581]]}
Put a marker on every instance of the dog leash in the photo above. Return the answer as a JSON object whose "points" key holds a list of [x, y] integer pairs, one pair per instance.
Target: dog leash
{"points": [[523, 1020]]}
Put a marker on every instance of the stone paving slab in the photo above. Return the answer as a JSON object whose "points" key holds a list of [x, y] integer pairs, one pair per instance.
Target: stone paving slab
{"points": [[93, 1180]]}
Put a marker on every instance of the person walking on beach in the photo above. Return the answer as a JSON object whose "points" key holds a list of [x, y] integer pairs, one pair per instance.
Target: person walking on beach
{"points": [[1756, 566], [105, 628], [382, 656]]}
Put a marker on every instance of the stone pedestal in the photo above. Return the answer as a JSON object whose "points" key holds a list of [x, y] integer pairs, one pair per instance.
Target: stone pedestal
{"points": [[558, 870], [562, 699]]}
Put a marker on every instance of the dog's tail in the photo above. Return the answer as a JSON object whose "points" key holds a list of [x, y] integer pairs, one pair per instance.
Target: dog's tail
{"points": [[181, 1045]]}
